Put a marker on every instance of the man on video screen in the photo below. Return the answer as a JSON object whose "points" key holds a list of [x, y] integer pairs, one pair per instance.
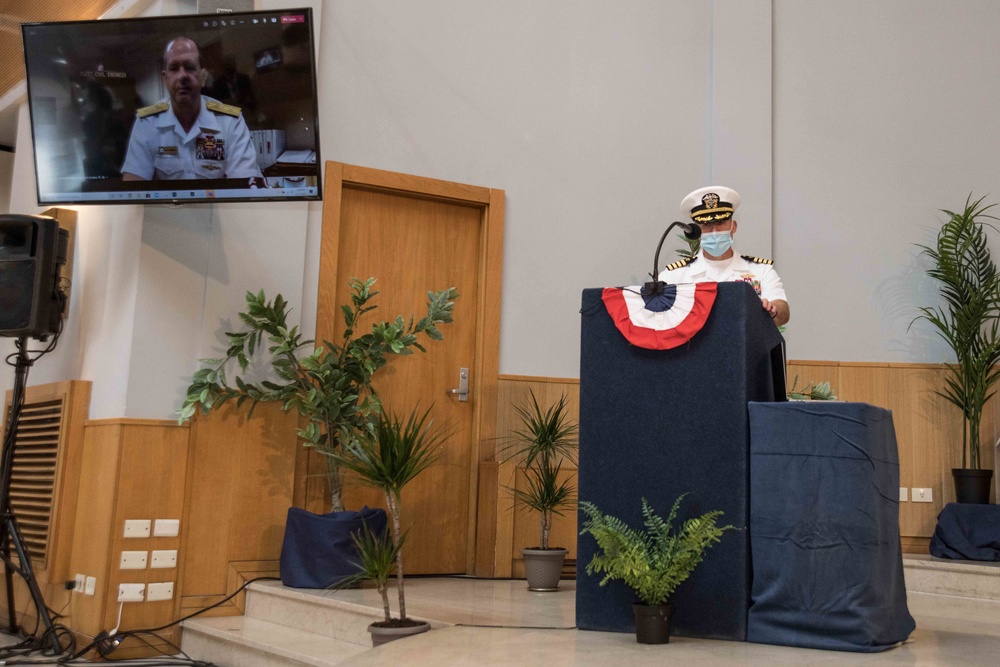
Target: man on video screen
{"points": [[188, 135]]}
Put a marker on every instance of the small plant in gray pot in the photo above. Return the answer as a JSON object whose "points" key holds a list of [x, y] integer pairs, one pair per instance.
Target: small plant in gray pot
{"points": [[652, 562], [388, 458], [546, 439]]}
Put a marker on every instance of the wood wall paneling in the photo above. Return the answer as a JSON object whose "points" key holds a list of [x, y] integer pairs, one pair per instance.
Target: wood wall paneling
{"points": [[516, 528], [241, 482], [132, 469]]}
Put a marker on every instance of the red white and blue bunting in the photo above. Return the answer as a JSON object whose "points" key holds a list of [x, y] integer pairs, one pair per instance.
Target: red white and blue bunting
{"points": [[663, 321]]}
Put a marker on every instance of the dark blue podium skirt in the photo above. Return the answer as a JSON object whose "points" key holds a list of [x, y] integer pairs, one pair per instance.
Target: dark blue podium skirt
{"points": [[656, 424]]}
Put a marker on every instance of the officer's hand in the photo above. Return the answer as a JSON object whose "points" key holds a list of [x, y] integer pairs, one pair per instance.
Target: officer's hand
{"points": [[771, 309]]}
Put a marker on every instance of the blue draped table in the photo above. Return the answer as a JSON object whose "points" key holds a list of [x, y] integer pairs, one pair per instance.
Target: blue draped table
{"points": [[824, 527]]}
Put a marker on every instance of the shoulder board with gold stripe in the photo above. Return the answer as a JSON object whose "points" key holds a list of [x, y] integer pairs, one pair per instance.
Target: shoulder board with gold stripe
{"points": [[153, 109], [680, 263], [219, 107], [756, 260]]}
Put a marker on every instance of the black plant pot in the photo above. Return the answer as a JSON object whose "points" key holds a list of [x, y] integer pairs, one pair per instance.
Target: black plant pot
{"points": [[972, 486], [652, 623]]}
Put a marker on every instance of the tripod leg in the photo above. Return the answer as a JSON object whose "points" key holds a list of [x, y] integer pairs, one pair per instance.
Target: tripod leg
{"points": [[9, 532], [8, 579], [26, 572]]}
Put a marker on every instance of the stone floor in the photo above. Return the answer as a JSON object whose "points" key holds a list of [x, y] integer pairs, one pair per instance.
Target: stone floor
{"points": [[483, 622], [501, 623]]}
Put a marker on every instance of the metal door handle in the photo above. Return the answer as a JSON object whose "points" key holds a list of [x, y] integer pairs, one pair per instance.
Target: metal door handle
{"points": [[463, 385]]}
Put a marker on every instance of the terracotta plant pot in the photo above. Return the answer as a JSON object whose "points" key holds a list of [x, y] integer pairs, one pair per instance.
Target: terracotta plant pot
{"points": [[543, 568], [385, 634], [652, 623]]}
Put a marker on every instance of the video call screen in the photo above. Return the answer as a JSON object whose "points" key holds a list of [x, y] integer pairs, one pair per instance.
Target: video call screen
{"points": [[219, 107]]}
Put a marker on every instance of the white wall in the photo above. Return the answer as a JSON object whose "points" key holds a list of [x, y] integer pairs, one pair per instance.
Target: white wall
{"points": [[885, 112], [595, 117], [845, 126]]}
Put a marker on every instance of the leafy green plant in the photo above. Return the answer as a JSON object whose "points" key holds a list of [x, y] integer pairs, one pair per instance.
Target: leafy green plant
{"points": [[330, 385], [655, 561], [377, 553], [819, 391], [546, 438], [388, 459], [693, 246], [969, 319]]}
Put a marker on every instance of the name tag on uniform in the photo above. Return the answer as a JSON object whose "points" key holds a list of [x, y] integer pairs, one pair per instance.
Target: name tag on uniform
{"points": [[210, 148], [167, 150]]}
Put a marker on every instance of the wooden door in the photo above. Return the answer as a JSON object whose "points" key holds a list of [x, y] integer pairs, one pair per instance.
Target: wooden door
{"points": [[416, 235]]}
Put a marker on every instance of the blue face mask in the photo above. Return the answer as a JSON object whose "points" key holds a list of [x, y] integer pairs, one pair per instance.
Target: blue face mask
{"points": [[716, 243]]}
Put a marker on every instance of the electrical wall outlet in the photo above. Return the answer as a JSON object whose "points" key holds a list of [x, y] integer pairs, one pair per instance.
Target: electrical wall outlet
{"points": [[137, 527], [903, 494], [81, 583], [133, 560], [160, 591], [166, 528], [89, 585], [131, 592], [163, 558], [922, 495]]}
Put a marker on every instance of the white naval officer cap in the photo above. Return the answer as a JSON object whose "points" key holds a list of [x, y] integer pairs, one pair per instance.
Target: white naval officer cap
{"points": [[712, 204]]}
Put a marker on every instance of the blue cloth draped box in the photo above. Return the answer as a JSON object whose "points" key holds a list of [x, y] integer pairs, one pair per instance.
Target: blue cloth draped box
{"points": [[824, 527], [318, 550], [967, 532]]}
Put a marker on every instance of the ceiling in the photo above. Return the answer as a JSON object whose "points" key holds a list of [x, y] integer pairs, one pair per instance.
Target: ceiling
{"points": [[12, 14]]}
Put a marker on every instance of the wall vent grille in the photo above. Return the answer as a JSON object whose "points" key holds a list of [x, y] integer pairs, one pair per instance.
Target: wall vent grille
{"points": [[33, 478]]}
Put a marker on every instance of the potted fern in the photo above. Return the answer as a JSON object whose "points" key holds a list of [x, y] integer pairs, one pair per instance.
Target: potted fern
{"points": [[330, 385], [969, 321], [652, 562], [388, 458], [546, 438]]}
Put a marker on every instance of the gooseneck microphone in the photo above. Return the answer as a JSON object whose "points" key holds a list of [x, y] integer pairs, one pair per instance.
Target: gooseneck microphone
{"points": [[691, 231]]}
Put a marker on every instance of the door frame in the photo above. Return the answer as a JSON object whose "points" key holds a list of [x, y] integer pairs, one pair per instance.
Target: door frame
{"points": [[480, 554]]}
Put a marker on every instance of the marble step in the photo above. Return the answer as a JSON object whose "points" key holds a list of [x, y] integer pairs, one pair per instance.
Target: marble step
{"points": [[241, 641], [966, 579], [286, 627], [318, 612]]}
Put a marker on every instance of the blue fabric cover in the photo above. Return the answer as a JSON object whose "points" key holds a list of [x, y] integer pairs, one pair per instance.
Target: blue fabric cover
{"points": [[656, 424], [969, 532], [824, 527], [318, 550]]}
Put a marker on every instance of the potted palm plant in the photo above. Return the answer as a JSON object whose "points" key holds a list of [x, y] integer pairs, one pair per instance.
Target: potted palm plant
{"points": [[330, 385], [969, 321], [652, 562], [388, 458], [546, 439]]}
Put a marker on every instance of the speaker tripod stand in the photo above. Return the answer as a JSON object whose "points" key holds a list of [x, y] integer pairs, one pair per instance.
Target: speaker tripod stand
{"points": [[10, 534]]}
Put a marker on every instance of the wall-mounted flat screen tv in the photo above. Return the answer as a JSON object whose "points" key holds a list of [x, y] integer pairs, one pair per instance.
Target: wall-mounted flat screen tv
{"points": [[219, 107]]}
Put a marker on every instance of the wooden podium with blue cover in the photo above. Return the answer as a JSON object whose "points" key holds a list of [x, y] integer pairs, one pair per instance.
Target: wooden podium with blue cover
{"points": [[657, 423]]}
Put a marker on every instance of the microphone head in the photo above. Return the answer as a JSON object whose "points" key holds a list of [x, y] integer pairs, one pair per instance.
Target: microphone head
{"points": [[691, 230]]}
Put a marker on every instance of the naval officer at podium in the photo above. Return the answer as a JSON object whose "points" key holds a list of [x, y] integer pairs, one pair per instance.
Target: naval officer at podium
{"points": [[713, 209]]}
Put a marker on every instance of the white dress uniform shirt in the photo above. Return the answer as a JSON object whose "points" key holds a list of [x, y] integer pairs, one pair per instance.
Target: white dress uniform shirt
{"points": [[218, 145], [759, 273]]}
